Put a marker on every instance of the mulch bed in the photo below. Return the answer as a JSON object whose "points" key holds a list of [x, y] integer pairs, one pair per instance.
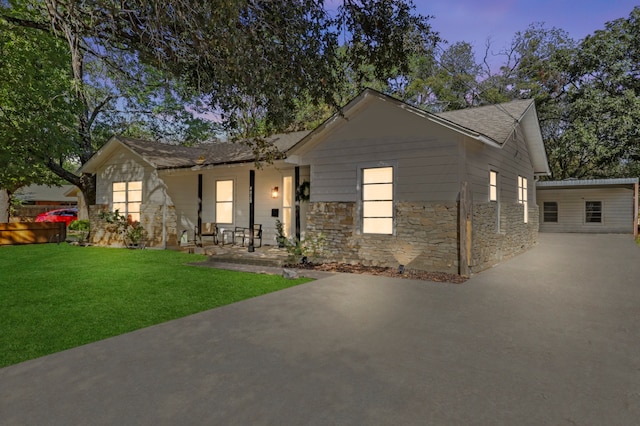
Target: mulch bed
{"points": [[383, 271]]}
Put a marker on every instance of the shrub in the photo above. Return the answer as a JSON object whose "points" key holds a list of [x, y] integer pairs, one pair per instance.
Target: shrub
{"points": [[79, 225]]}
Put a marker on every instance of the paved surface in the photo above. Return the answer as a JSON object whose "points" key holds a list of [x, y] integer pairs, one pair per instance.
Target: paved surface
{"points": [[550, 337]]}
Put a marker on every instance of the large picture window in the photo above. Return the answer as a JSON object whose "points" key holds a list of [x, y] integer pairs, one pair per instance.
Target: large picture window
{"points": [[523, 197], [127, 199], [224, 201], [593, 211], [550, 211], [377, 200]]}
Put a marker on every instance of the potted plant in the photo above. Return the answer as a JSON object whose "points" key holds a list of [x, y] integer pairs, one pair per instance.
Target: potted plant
{"points": [[280, 237], [135, 235]]}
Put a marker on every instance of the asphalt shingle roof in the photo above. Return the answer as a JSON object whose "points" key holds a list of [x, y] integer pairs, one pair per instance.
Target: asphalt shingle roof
{"points": [[167, 156], [495, 121]]}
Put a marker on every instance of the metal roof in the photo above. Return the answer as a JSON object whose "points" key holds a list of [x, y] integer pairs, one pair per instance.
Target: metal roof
{"points": [[574, 183]]}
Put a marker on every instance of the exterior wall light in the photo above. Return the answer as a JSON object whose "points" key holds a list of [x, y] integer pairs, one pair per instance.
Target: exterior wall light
{"points": [[274, 192]]}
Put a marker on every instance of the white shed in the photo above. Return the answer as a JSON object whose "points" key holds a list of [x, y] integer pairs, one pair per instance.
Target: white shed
{"points": [[592, 206]]}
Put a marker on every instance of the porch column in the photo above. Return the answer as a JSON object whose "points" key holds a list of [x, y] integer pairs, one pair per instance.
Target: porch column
{"points": [[198, 233], [252, 183]]}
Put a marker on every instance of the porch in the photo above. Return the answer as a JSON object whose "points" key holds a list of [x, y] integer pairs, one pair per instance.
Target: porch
{"points": [[265, 256]]}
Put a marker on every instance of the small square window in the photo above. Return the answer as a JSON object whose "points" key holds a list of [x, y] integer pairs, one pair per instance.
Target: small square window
{"points": [[550, 211], [593, 211]]}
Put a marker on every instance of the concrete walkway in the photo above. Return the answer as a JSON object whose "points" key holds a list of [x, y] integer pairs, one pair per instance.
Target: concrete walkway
{"points": [[550, 337]]}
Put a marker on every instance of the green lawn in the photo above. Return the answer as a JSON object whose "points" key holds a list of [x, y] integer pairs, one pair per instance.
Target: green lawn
{"points": [[55, 297]]}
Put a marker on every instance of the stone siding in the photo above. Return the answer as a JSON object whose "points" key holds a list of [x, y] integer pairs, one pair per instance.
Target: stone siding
{"points": [[492, 245], [426, 236], [150, 217]]}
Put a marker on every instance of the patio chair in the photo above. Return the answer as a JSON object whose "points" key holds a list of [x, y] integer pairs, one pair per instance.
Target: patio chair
{"points": [[245, 234], [209, 229]]}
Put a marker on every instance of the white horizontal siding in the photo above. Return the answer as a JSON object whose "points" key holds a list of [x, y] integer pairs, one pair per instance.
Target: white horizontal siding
{"points": [[617, 210], [426, 156]]}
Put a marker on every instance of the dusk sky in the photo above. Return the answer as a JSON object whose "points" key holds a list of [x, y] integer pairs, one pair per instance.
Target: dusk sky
{"points": [[476, 20]]}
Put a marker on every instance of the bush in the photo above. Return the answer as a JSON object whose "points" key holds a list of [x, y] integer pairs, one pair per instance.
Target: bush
{"points": [[79, 225]]}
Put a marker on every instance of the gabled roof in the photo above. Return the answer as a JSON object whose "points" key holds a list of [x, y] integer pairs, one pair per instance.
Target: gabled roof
{"points": [[495, 121], [167, 156], [492, 125], [46, 193]]}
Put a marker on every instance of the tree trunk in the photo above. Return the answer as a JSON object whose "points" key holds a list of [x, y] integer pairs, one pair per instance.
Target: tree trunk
{"points": [[4, 206]]}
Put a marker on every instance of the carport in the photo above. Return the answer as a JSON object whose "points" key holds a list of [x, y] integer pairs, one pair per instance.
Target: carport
{"points": [[589, 206]]}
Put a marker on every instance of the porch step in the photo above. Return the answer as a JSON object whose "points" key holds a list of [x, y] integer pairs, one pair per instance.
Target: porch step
{"points": [[255, 261]]}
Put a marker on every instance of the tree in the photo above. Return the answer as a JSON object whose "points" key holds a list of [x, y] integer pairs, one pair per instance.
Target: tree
{"points": [[63, 93], [602, 139]]}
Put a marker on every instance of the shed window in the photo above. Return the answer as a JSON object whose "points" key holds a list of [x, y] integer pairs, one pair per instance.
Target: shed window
{"points": [[127, 199], [377, 200], [523, 197], [593, 211], [224, 201], [550, 211], [493, 186]]}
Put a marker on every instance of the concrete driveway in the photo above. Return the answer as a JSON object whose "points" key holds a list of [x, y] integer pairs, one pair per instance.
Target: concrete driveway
{"points": [[550, 337]]}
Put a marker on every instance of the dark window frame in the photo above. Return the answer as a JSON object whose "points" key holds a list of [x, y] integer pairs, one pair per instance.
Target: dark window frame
{"points": [[550, 212], [593, 211]]}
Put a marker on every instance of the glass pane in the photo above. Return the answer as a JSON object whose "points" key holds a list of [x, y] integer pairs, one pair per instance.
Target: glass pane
{"points": [[121, 207], [134, 217], [377, 209], [119, 186], [134, 207], [493, 178], [493, 193], [135, 186], [286, 221], [377, 225], [224, 191], [382, 191], [135, 196], [119, 197], [377, 175], [224, 212], [287, 191]]}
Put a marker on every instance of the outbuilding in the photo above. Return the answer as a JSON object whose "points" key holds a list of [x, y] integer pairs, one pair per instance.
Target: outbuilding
{"points": [[589, 206]]}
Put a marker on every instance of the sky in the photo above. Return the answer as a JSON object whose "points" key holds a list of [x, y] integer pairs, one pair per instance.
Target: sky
{"points": [[474, 21]]}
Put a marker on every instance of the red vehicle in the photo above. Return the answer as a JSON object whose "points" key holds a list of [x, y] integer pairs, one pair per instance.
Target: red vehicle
{"points": [[61, 215]]}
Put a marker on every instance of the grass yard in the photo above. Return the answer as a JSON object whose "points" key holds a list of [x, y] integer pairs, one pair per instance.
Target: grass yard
{"points": [[56, 297]]}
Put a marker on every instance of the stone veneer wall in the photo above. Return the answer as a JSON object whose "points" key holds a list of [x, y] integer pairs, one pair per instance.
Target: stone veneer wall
{"points": [[490, 245], [151, 218], [426, 236]]}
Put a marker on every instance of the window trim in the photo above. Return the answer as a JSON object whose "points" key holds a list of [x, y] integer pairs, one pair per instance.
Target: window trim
{"points": [[544, 211], [362, 201], [493, 186], [586, 212], [232, 202], [127, 212], [523, 196]]}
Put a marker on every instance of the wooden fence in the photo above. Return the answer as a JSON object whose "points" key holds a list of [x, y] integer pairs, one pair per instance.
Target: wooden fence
{"points": [[32, 233]]}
